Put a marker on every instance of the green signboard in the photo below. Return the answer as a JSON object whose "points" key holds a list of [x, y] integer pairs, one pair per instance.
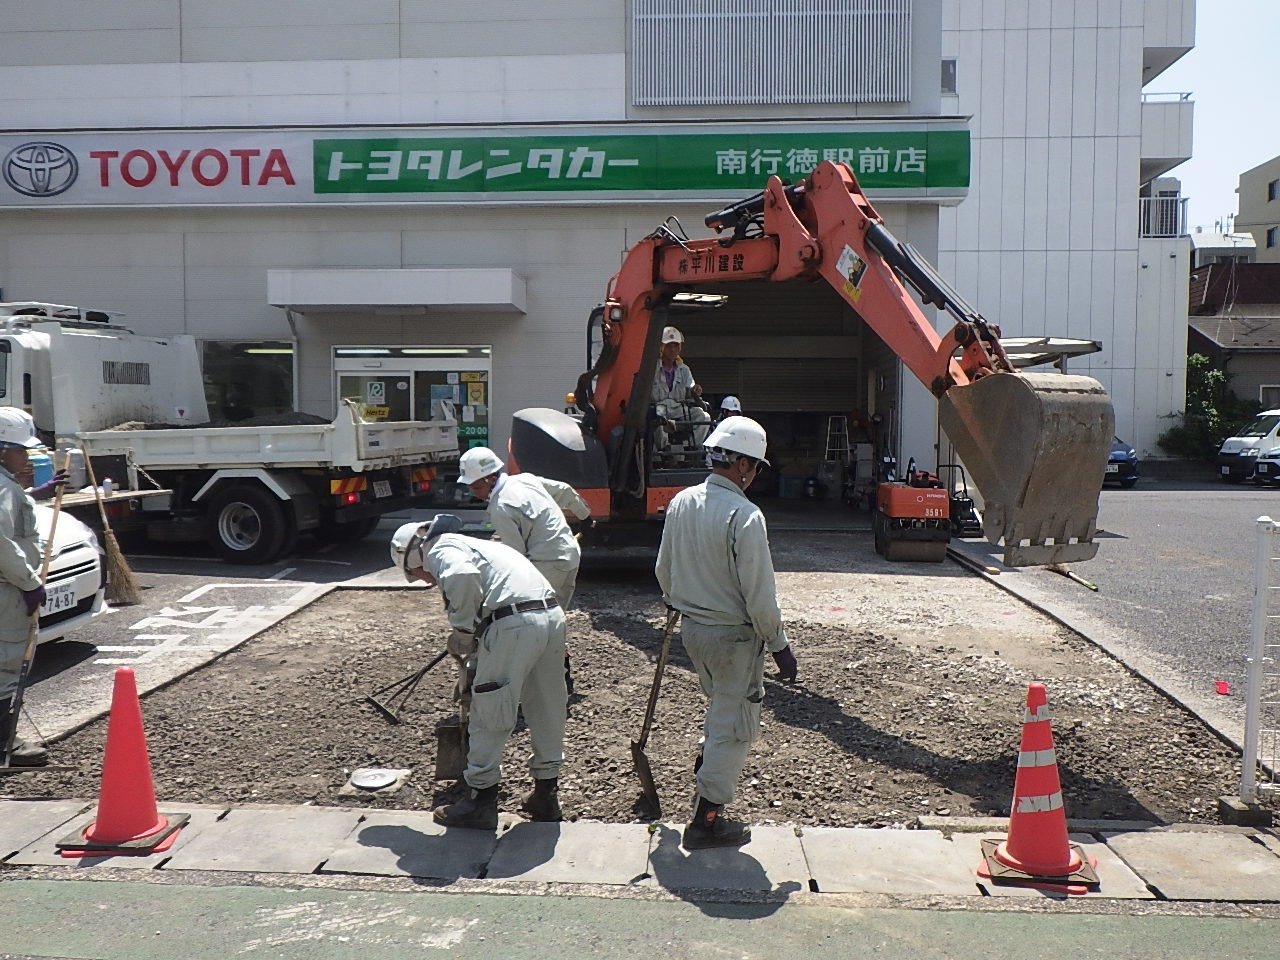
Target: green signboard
{"points": [[915, 160]]}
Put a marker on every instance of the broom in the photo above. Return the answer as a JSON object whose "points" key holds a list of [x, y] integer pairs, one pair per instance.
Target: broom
{"points": [[122, 585]]}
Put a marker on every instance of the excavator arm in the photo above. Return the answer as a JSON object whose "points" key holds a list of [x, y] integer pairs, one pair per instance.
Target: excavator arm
{"points": [[1036, 445]]}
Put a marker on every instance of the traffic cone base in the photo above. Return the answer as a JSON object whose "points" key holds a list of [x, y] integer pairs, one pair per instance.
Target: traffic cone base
{"points": [[1083, 879], [127, 819]]}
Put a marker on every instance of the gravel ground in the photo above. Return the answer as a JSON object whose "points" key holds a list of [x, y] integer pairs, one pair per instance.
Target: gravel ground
{"points": [[912, 684]]}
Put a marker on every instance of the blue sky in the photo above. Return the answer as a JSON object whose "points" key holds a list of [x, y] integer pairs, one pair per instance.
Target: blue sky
{"points": [[1232, 76]]}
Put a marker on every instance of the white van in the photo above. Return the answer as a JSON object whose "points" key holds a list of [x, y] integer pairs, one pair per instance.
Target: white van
{"points": [[1238, 456]]}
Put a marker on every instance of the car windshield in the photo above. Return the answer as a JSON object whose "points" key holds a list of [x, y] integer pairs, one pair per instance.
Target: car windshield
{"points": [[1260, 426]]}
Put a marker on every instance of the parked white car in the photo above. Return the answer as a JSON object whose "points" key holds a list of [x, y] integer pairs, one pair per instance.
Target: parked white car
{"points": [[76, 584]]}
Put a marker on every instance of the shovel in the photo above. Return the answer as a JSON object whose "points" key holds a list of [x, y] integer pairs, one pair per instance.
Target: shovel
{"points": [[641, 762], [452, 742], [403, 688]]}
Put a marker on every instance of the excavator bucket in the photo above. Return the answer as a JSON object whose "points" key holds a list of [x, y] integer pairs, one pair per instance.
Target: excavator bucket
{"points": [[1036, 447]]}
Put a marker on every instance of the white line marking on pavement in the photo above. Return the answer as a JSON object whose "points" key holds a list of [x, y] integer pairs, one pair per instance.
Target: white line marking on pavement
{"points": [[282, 574]]}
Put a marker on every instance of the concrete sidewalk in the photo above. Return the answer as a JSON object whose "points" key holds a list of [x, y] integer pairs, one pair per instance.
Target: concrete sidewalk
{"points": [[328, 881]]}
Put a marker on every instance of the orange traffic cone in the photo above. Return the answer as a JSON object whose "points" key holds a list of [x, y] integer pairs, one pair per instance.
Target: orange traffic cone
{"points": [[1037, 851], [128, 822]]}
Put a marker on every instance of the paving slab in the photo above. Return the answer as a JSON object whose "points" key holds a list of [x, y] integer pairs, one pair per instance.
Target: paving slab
{"points": [[585, 851], [43, 853], [1201, 865], [273, 840], [864, 860], [23, 822], [772, 861], [411, 844], [1116, 879]]}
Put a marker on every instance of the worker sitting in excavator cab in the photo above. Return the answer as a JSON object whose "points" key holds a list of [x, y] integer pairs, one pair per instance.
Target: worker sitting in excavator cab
{"points": [[683, 419]]}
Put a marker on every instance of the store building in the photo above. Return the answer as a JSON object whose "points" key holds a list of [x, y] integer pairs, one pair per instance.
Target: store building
{"points": [[416, 201]]}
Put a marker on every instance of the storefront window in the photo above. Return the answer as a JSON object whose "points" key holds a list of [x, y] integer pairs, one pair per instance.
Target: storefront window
{"points": [[247, 378], [419, 383]]}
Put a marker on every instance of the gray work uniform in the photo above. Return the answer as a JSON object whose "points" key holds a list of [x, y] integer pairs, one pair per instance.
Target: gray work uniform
{"points": [[19, 570], [519, 658], [714, 566], [527, 513], [677, 402]]}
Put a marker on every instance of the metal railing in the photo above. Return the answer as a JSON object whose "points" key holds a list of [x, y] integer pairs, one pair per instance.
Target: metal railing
{"points": [[1168, 97], [1261, 755], [1162, 216]]}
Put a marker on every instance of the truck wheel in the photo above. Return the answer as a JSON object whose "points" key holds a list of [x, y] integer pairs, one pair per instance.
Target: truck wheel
{"points": [[247, 525]]}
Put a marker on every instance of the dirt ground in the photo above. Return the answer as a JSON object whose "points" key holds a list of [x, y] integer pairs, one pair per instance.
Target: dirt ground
{"points": [[912, 684]]}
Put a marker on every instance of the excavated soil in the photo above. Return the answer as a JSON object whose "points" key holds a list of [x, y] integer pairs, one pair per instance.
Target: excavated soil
{"points": [[910, 702]]}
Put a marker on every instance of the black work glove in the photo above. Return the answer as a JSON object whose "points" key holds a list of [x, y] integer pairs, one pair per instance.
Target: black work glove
{"points": [[49, 488], [787, 665], [33, 599]]}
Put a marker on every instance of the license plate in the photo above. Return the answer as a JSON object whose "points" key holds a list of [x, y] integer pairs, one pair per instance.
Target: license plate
{"points": [[60, 597], [1226, 471], [1113, 468], [382, 488]]}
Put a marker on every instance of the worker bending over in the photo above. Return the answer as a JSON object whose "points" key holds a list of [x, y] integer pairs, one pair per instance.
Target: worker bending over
{"points": [[714, 566], [502, 611], [21, 592], [527, 513], [675, 394]]}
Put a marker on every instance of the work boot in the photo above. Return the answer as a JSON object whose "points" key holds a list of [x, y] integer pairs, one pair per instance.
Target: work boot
{"points": [[544, 803], [710, 828], [24, 754], [478, 810]]}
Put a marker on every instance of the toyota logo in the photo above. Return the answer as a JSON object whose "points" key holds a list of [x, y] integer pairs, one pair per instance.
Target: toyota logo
{"points": [[40, 169]]}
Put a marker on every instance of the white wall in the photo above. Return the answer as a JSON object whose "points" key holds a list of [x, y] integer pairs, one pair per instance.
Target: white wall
{"points": [[1046, 242]]}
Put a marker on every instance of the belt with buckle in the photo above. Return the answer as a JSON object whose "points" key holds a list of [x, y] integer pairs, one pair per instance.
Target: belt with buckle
{"points": [[524, 606]]}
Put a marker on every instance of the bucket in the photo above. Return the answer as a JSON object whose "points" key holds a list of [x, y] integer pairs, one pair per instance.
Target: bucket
{"points": [[78, 477], [41, 466]]}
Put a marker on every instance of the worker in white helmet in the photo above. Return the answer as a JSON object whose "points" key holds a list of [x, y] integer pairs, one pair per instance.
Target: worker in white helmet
{"points": [[528, 515], [677, 398], [502, 611], [21, 590], [714, 566], [729, 407]]}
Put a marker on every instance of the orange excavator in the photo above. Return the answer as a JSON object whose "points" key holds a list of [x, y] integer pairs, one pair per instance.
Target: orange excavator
{"points": [[1035, 445]]}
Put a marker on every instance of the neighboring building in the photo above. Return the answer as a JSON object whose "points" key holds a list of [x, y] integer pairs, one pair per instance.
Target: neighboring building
{"points": [[418, 200], [1235, 321], [1207, 248], [1259, 193]]}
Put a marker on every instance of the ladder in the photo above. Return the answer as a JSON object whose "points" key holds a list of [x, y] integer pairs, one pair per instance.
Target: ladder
{"points": [[837, 439]]}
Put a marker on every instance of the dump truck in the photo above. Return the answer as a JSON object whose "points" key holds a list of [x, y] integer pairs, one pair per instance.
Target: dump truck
{"points": [[1035, 445], [247, 489]]}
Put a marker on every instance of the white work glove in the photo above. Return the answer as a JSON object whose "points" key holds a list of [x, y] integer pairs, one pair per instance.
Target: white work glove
{"points": [[461, 643]]}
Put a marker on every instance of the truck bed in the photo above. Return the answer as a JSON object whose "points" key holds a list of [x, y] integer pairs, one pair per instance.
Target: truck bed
{"points": [[347, 442]]}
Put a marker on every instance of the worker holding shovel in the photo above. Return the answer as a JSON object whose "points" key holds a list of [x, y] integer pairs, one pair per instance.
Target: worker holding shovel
{"points": [[21, 590], [715, 568], [504, 611]]}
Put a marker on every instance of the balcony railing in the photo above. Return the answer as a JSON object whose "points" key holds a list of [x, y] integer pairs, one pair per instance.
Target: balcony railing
{"points": [[1166, 97], [1162, 216]]}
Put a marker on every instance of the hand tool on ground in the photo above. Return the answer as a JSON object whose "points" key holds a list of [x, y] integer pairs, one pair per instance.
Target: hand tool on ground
{"points": [[1062, 569], [29, 653], [403, 688], [641, 762]]}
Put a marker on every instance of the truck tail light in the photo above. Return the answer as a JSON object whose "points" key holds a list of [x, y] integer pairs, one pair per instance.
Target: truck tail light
{"points": [[349, 498]]}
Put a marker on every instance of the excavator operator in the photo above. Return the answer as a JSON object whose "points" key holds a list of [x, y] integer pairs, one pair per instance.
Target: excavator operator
{"points": [[676, 396]]}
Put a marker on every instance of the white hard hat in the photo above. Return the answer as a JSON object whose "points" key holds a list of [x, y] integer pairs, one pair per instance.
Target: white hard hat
{"points": [[731, 403], [478, 463], [17, 429], [740, 435], [672, 335], [410, 541]]}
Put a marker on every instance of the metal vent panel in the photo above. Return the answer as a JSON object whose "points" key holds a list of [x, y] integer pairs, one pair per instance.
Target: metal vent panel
{"points": [[686, 52]]}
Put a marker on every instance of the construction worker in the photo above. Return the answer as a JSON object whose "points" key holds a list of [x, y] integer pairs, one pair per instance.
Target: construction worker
{"points": [[729, 407], [527, 513], [21, 592], [505, 614], [675, 394], [715, 568]]}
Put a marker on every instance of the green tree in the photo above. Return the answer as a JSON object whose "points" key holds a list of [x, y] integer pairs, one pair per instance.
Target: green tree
{"points": [[1213, 413]]}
